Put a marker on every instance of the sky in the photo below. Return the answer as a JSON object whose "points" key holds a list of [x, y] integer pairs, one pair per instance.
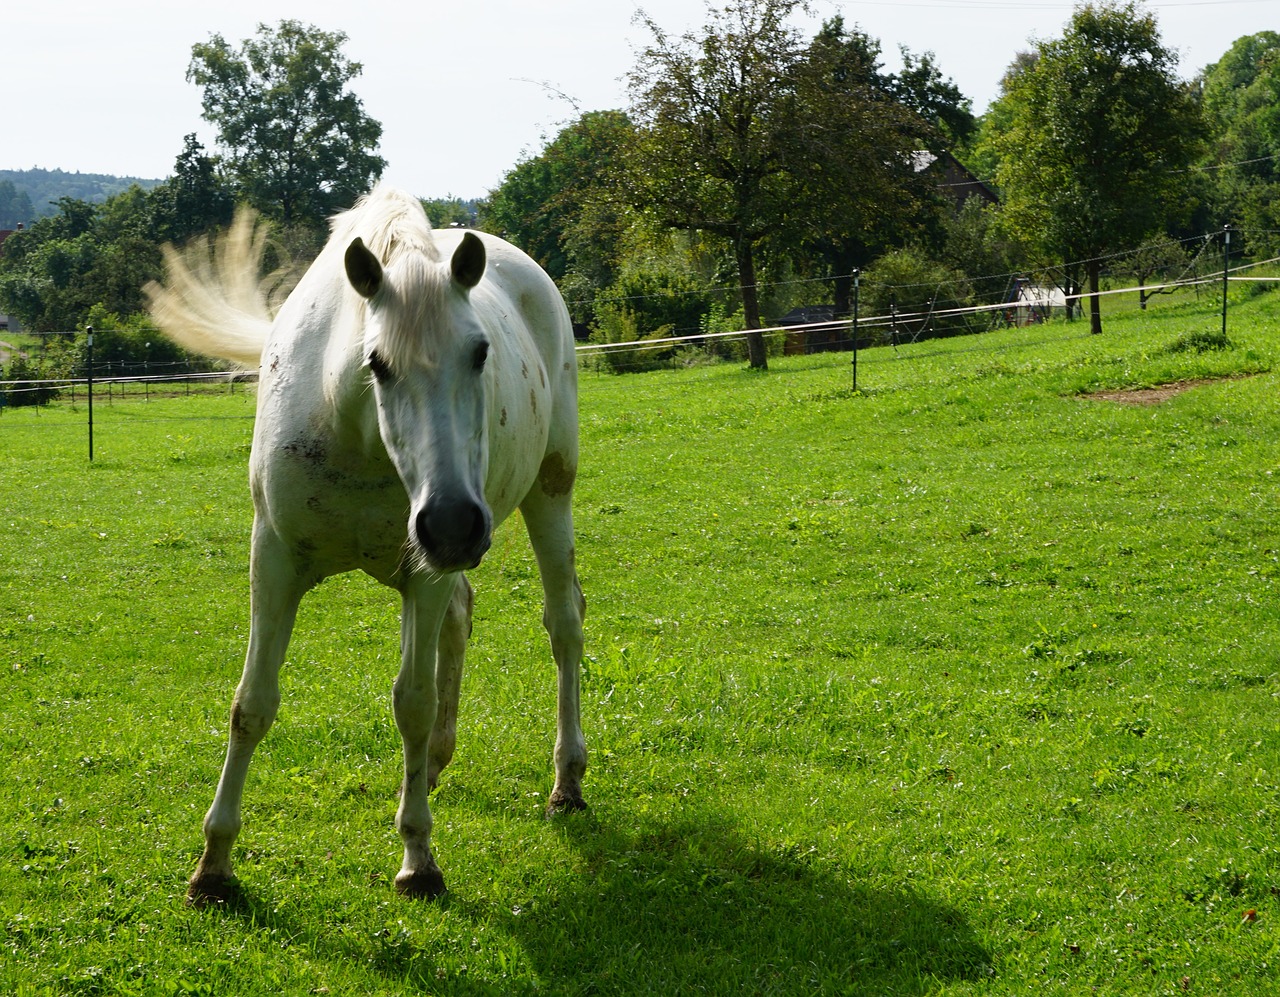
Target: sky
{"points": [[464, 90]]}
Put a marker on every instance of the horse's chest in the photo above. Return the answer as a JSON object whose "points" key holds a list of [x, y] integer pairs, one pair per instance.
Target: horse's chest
{"points": [[339, 513]]}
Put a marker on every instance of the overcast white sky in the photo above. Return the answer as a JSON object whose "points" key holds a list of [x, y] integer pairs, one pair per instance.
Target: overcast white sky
{"points": [[463, 89]]}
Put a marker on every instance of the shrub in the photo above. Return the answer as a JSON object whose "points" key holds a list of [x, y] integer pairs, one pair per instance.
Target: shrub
{"points": [[911, 283]]}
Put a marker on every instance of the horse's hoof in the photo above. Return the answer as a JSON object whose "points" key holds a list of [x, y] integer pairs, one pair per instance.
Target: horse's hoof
{"points": [[564, 803], [426, 884], [211, 891]]}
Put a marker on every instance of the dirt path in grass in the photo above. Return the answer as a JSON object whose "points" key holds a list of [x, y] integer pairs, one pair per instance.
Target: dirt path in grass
{"points": [[1154, 396]]}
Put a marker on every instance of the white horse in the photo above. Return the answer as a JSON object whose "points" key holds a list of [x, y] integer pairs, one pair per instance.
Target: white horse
{"points": [[416, 387]]}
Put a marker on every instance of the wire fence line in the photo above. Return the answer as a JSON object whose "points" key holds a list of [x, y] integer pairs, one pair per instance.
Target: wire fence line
{"points": [[847, 334]]}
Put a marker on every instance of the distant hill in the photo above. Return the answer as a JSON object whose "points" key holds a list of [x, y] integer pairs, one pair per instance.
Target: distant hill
{"points": [[44, 187]]}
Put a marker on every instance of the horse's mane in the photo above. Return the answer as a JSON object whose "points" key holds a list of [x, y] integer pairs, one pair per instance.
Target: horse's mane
{"points": [[390, 221]]}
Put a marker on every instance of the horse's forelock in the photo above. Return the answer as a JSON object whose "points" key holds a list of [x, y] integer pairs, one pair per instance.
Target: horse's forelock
{"points": [[391, 222], [415, 295], [394, 226]]}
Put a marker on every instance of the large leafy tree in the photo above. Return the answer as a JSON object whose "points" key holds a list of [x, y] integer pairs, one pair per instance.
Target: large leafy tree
{"points": [[562, 206], [196, 198], [1241, 94], [749, 134], [1101, 131], [859, 190], [718, 118], [298, 140]]}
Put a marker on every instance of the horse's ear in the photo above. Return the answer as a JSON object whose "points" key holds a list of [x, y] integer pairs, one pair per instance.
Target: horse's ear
{"points": [[363, 269], [467, 264]]}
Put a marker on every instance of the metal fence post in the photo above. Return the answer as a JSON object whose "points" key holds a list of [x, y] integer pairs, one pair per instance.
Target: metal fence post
{"points": [[1226, 264], [88, 379], [856, 276]]}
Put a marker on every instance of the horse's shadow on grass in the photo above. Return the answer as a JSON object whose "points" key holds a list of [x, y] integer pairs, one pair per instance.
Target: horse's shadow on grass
{"points": [[684, 905], [693, 906]]}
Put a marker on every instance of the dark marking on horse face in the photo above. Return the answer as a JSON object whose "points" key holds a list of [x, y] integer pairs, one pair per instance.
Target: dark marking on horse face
{"points": [[524, 370], [533, 401], [556, 475], [503, 420]]}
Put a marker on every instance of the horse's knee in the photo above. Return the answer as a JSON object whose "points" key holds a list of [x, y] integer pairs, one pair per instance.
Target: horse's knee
{"points": [[251, 719]]}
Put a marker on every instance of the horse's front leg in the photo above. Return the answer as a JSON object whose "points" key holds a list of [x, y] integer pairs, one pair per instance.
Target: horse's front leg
{"points": [[275, 591], [455, 631], [550, 524], [424, 605]]}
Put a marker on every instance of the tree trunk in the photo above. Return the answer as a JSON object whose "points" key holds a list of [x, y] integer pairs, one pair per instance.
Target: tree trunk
{"points": [[843, 295], [1095, 302], [751, 305]]}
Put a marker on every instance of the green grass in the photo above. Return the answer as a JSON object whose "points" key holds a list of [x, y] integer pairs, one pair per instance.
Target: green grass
{"points": [[962, 684]]}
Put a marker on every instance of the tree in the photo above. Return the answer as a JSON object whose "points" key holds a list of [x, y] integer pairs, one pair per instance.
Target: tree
{"points": [[717, 114], [15, 206], [922, 88], [298, 141], [1101, 131], [1241, 95], [861, 192], [562, 206], [88, 254], [746, 133], [194, 199]]}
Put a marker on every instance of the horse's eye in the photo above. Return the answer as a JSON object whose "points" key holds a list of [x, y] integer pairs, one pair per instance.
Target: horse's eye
{"points": [[379, 367], [480, 356]]}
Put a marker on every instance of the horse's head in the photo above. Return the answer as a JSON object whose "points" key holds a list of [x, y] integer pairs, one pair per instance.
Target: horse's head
{"points": [[427, 353]]}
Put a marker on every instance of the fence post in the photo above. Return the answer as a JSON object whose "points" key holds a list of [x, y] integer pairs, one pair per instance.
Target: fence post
{"points": [[1226, 264], [88, 379], [856, 275]]}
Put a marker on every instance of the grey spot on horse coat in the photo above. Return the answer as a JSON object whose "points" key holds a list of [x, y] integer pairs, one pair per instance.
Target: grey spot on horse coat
{"points": [[533, 401], [312, 450], [503, 420], [555, 476]]}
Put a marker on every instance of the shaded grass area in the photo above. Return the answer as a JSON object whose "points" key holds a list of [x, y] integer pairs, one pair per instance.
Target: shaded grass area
{"points": [[960, 684]]}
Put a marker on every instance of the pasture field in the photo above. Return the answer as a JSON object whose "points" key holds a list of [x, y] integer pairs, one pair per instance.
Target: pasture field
{"points": [[967, 684]]}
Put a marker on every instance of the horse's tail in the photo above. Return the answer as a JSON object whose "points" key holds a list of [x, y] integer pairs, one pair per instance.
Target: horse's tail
{"points": [[213, 300]]}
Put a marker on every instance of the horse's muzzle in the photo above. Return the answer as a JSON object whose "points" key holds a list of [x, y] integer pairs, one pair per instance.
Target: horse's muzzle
{"points": [[454, 533]]}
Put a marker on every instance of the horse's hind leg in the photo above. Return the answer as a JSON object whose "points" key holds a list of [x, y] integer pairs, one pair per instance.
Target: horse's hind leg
{"points": [[454, 633], [549, 520], [275, 591], [423, 609]]}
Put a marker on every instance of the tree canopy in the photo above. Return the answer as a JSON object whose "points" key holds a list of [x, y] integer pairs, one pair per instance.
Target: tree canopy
{"points": [[1101, 132], [299, 143], [1241, 95], [747, 133]]}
